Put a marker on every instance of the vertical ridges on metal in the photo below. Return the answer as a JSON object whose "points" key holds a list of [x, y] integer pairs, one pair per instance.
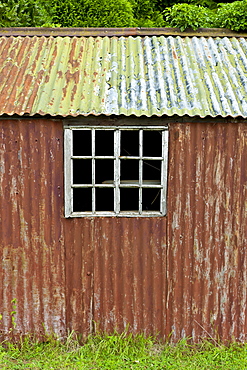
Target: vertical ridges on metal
{"points": [[207, 231], [32, 248], [151, 75]]}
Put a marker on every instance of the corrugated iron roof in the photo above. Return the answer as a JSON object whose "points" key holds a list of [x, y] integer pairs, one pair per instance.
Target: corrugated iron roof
{"points": [[151, 75]]}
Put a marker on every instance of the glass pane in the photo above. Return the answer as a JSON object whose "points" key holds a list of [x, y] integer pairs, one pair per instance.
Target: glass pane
{"points": [[129, 199], [152, 171], [129, 170], [104, 199], [151, 199], [82, 200], [104, 142], [104, 171], [82, 144], [82, 171], [129, 143], [152, 143]]}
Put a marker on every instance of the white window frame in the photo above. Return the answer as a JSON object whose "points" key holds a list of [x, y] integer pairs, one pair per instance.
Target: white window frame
{"points": [[68, 172]]}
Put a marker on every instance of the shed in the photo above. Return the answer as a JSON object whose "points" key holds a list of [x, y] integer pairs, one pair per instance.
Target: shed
{"points": [[123, 181]]}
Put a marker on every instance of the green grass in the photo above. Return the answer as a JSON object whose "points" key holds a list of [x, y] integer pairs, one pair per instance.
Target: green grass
{"points": [[122, 351]]}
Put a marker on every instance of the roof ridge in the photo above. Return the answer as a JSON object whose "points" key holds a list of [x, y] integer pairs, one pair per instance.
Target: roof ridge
{"points": [[111, 32]]}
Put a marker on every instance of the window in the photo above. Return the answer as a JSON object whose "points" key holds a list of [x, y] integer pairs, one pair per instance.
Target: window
{"points": [[115, 171]]}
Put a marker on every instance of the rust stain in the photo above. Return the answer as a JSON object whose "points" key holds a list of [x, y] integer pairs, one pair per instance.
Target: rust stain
{"points": [[32, 264], [74, 60], [73, 92], [31, 67], [206, 229], [177, 276]]}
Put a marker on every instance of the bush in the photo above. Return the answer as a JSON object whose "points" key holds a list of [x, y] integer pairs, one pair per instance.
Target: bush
{"points": [[188, 16], [233, 16], [23, 13], [94, 13], [146, 13]]}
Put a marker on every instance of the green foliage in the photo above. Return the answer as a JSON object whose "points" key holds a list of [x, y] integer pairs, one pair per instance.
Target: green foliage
{"points": [[23, 13], [232, 16], [161, 5], [124, 13], [189, 16], [120, 351], [66, 13], [108, 13], [93, 13], [147, 14], [211, 4]]}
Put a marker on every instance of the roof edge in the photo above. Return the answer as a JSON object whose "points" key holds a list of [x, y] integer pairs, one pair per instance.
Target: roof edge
{"points": [[110, 32]]}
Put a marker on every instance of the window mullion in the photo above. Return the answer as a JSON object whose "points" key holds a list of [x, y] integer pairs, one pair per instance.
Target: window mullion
{"points": [[164, 165], [117, 142], [140, 169], [93, 172], [68, 171]]}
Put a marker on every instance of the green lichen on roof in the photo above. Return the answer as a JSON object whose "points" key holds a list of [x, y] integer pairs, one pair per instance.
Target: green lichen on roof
{"points": [[139, 74]]}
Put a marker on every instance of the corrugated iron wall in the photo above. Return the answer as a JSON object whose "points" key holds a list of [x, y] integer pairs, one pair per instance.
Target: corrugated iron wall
{"points": [[185, 273], [207, 231], [116, 274], [31, 232]]}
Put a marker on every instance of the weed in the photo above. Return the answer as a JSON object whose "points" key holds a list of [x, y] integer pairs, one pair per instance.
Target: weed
{"points": [[120, 351]]}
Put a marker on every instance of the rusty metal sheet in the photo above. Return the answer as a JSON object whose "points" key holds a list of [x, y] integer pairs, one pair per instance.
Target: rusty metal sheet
{"points": [[116, 275], [69, 274], [207, 231], [79, 267], [32, 269], [149, 75], [180, 275], [184, 276], [130, 275]]}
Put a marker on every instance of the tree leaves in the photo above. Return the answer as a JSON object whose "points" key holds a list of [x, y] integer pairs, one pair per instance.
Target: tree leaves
{"points": [[188, 16], [124, 13], [232, 16], [23, 13]]}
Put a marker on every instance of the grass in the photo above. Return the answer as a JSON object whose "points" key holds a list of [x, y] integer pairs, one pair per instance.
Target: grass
{"points": [[121, 351]]}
